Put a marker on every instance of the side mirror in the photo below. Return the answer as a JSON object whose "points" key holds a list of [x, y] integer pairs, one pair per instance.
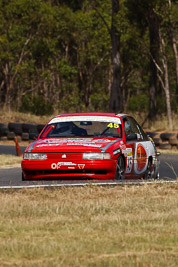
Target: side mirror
{"points": [[131, 136]]}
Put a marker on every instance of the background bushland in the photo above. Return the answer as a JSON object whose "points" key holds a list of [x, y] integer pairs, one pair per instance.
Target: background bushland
{"points": [[107, 55]]}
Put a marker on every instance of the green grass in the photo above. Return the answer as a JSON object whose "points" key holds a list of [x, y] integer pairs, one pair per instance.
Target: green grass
{"points": [[90, 226]]}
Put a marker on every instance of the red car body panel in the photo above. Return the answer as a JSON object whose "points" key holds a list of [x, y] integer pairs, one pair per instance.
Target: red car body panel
{"points": [[65, 155]]}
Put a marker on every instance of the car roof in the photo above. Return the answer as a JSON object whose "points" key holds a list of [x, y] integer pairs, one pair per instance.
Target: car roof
{"points": [[92, 114]]}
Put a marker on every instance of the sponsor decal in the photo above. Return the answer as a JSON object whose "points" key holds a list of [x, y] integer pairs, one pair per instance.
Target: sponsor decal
{"points": [[129, 164], [92, 145], [82, 144], [86, 118], [58, 165], [141, 157], [142, 152], [127, 152], [102, 140], [53, 166], [71, 141], [81, 166], [116, 151]]}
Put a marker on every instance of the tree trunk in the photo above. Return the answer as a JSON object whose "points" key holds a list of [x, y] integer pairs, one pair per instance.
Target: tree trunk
{"points": [[167, 93], [165, 84], [154, 52], [8, 86], [174, 46], [116, 98]]}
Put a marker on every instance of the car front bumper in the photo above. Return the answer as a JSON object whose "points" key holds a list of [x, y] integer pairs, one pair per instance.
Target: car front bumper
{"points": [[91, 169]]}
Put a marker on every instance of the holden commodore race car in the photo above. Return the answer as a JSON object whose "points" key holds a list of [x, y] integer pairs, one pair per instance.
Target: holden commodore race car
{"points": [[104, 146]]}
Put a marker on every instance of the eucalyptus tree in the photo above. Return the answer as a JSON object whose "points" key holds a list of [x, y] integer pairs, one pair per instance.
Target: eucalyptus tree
{"points": [[19, 25]]}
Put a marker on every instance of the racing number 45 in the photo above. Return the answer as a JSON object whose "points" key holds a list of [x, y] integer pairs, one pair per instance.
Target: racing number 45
{"points": [[113, 125]]}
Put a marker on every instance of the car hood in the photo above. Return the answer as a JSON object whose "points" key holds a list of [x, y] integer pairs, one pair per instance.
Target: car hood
{"points": [[70, 144]]}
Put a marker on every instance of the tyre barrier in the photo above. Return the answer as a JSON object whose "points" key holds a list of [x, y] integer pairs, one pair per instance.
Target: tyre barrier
{"points": [[23, 131], [166, 136], [166, 140]]}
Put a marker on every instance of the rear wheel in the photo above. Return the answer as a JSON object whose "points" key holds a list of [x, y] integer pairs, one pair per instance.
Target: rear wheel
{"points": [[120, 169]]}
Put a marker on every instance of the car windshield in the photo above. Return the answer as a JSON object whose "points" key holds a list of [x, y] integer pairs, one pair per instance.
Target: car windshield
{"points": [[84, 127]]}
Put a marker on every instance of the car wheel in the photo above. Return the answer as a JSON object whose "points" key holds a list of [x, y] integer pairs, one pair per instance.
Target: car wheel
{"points": [[23, 178], [156, 175], [147, 174], [120, 169]]}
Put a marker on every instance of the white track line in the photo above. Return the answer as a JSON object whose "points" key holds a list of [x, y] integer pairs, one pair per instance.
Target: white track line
{"points": [[88, 183]]}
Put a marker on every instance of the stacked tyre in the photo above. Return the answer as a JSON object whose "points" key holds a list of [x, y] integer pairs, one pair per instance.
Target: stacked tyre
{"points": [[15, 129], [23, 131], [3, 131], [31, 131], [165, 140], [169, 141]]}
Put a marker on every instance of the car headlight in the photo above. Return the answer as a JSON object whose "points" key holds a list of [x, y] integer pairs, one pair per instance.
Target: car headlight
{"points": [[35, 156], [90, 155]]}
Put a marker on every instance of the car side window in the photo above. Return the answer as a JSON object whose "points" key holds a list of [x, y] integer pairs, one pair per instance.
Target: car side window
{"points": [[143, 134], [137, 129], [128, 128]]}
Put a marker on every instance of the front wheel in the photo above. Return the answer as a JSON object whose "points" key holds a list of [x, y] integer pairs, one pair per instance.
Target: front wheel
{"points": [[147, 174], [23, 178], [120, 169]]}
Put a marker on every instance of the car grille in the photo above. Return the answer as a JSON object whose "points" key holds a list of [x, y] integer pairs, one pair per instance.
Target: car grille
{"points": [[64, 155]]}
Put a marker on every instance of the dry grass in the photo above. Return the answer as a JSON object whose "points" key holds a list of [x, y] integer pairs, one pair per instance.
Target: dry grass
{"points": [[9, 161], [6, 117], [161, 123], [90, 226], [168, 151]]}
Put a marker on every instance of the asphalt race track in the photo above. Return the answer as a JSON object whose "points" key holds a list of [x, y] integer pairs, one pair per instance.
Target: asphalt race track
{"points": [[10, 150], [12, 176]]}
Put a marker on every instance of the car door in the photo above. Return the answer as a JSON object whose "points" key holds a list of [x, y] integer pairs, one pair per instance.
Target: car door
{"points": [[142, 147]]}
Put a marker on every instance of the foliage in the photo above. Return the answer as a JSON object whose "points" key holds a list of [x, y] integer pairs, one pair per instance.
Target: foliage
{"points": [[138, 103], [36, 105], [56, 55]]}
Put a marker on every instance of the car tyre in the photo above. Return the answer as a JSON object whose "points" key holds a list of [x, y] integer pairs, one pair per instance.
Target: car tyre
{"points": [[25, 136], [166, 136], [165, 146], [156, 175], [173, 141], [23, 178], [120, 169], [10, 136], [147, 174]]}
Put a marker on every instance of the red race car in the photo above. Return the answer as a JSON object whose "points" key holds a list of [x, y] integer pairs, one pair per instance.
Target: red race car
{"points": [[91, 145]]}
